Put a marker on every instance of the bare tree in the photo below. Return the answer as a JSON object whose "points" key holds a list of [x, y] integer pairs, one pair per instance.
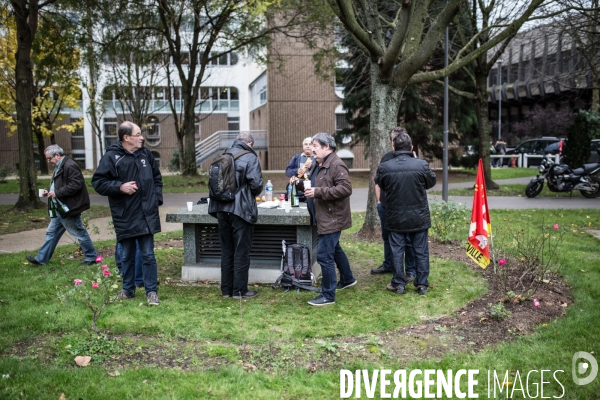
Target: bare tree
{"points": [[398, 47]]}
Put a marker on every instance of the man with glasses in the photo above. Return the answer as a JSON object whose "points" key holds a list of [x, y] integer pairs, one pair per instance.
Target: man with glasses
{"points": [[128, 174], [68, 195]]}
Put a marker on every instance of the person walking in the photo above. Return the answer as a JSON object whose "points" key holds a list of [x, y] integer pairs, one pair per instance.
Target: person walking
{"points": [[236, 220], [405, 180], [128, 174], [68, 195], [331, 192]]}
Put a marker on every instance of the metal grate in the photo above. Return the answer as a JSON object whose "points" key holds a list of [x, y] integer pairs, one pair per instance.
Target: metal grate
{"points": [[266, 244]]}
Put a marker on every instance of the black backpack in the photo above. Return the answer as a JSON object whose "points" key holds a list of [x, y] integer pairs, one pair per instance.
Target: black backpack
{"points": [[296, 268], [222, 185]]}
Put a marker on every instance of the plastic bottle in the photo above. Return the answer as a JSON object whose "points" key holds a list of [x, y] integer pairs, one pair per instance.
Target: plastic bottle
{"points": [[289, 192], [269, 191], [295, 198]]}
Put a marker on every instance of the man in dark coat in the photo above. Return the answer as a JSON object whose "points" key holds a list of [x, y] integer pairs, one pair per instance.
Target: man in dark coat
{"points": [[331, 192], [236, 220], [405, 180], [69, 196], [128, 174]]}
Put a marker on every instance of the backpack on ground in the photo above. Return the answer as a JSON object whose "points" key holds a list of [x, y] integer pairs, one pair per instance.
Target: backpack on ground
{"points": [[222, 185], [296, 268]]}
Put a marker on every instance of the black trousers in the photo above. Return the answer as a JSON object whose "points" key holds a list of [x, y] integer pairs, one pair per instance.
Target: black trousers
{"points": [[235, 236]]}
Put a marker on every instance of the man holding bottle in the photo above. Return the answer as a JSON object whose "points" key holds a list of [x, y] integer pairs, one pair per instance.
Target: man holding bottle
{"points": [[67, 199]]}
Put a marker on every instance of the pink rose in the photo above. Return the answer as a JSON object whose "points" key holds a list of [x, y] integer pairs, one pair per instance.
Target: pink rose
{"points": [[77, 282], [99, 259], [536, 303], [106, 272], [555, 226], [502, 261], [104, 267], [95, 285]]}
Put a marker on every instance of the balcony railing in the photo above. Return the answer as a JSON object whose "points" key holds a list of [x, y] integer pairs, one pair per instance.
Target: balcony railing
{"points": [[162, 106], [222, 140]]}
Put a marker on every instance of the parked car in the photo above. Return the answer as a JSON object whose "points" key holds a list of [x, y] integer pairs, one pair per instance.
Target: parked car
{"points": [[539, 146]]}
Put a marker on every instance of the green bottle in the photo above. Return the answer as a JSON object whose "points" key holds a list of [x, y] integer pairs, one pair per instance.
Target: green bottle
{"points": [[51, 208], [295, 199]]}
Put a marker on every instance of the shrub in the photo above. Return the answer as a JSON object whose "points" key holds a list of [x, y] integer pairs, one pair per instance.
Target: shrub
{"points": [[3, 173], [174, 163], [580, 135], [448, 218], [498, 312]]}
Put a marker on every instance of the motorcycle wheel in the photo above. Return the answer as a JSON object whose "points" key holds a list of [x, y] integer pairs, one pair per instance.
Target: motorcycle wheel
{"points": [[534, 188], [592, 194]]}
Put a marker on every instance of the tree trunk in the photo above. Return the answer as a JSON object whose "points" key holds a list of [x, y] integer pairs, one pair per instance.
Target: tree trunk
{"points": [[189, 155], [385, 103], [481, 106], [28, 194], [41, 155]]}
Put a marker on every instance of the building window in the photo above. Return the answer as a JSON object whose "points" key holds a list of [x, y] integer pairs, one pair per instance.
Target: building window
{"points": [[197, 131], [222, 60], [78, 143], [233, 123], [258, 92], [152, 131], [156, 155], [110, 132]]}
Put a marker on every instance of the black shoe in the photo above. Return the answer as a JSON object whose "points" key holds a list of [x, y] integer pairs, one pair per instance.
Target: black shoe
{"points": [[33, 260], [320, 301], [422, 290], [87, 263], [381, 270], [341, 286], [410, 278], [395, 289], [248, 295]]}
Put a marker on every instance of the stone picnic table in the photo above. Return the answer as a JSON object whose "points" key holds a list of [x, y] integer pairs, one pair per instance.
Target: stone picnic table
{"points": [[202, 249]]}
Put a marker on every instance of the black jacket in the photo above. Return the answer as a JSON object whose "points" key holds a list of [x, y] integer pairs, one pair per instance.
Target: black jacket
{"points": [[69, 187], [248, 176], [405, 180], [136, 214]]}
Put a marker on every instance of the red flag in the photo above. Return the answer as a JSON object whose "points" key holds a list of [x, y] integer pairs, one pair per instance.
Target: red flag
{"points": [[478, 247]]}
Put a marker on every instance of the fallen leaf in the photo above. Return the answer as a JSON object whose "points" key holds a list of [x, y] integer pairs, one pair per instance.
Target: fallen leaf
{"points": [[83, 361], [145, 381], [116, 373], [62, 397], [563, 304]]}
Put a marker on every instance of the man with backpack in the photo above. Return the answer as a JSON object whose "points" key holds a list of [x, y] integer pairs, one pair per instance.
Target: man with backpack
{"points": [[235, 181]]}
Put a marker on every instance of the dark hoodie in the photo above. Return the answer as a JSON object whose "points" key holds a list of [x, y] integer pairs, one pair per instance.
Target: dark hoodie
{"points": [[137, 214]]}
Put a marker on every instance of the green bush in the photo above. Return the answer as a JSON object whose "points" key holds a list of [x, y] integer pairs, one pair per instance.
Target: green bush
{"points": [[498, 312], [448, 218], [580, 134], [174, 163], [3, 173]]}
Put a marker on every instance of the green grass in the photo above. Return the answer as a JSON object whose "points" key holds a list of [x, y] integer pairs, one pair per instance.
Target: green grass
{"points": [[12, 222], [196, 317], [511, 190], [499, 173]]}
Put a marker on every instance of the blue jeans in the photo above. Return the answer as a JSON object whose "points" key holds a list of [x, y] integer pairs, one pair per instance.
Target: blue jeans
{"points": [[150, 270], [409, 253], [139, 273], [235, 237], [421, 248], [330, 254], [57, 227]]}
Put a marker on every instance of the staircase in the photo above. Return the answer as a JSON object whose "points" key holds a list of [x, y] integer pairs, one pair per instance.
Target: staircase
{"points": [[222, 140]]}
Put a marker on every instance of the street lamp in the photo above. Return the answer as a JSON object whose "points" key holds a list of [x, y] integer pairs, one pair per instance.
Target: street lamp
{"points": [[499, 98]]}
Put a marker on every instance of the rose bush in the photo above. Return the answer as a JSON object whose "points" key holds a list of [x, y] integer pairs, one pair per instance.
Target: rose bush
{"points": [[95, 289]]}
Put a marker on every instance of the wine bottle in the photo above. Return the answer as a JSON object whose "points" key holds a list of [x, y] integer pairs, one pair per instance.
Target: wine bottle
{"points": [[51, 208], [295, 199]]}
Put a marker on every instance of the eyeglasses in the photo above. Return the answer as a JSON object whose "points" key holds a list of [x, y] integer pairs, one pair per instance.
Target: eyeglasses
{"points": [[50, 159], [138, 135]]}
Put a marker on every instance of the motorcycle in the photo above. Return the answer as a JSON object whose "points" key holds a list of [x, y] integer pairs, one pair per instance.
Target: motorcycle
{"points": [[561, 178]]}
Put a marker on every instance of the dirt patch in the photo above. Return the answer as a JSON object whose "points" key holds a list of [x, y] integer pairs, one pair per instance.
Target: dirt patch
{"points": [[468, 329]]}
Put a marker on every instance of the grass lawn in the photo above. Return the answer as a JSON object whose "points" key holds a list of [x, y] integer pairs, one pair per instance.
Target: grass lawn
{"points": [[199, 345], [512, 190], [12, 222]]}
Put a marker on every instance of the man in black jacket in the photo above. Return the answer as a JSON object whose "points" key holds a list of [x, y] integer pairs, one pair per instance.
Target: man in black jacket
{"points": [[128, 174], [236, 220], [69, 196], [405, 180]]}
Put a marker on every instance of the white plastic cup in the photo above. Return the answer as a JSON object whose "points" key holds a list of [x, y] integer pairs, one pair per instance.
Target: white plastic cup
{"points": [[288, 207], [41, 192], [307, 184], [207, 202], [190, 204]]}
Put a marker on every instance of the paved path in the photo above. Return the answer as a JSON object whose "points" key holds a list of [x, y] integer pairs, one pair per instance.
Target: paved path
{"points": [[32, 240]]}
